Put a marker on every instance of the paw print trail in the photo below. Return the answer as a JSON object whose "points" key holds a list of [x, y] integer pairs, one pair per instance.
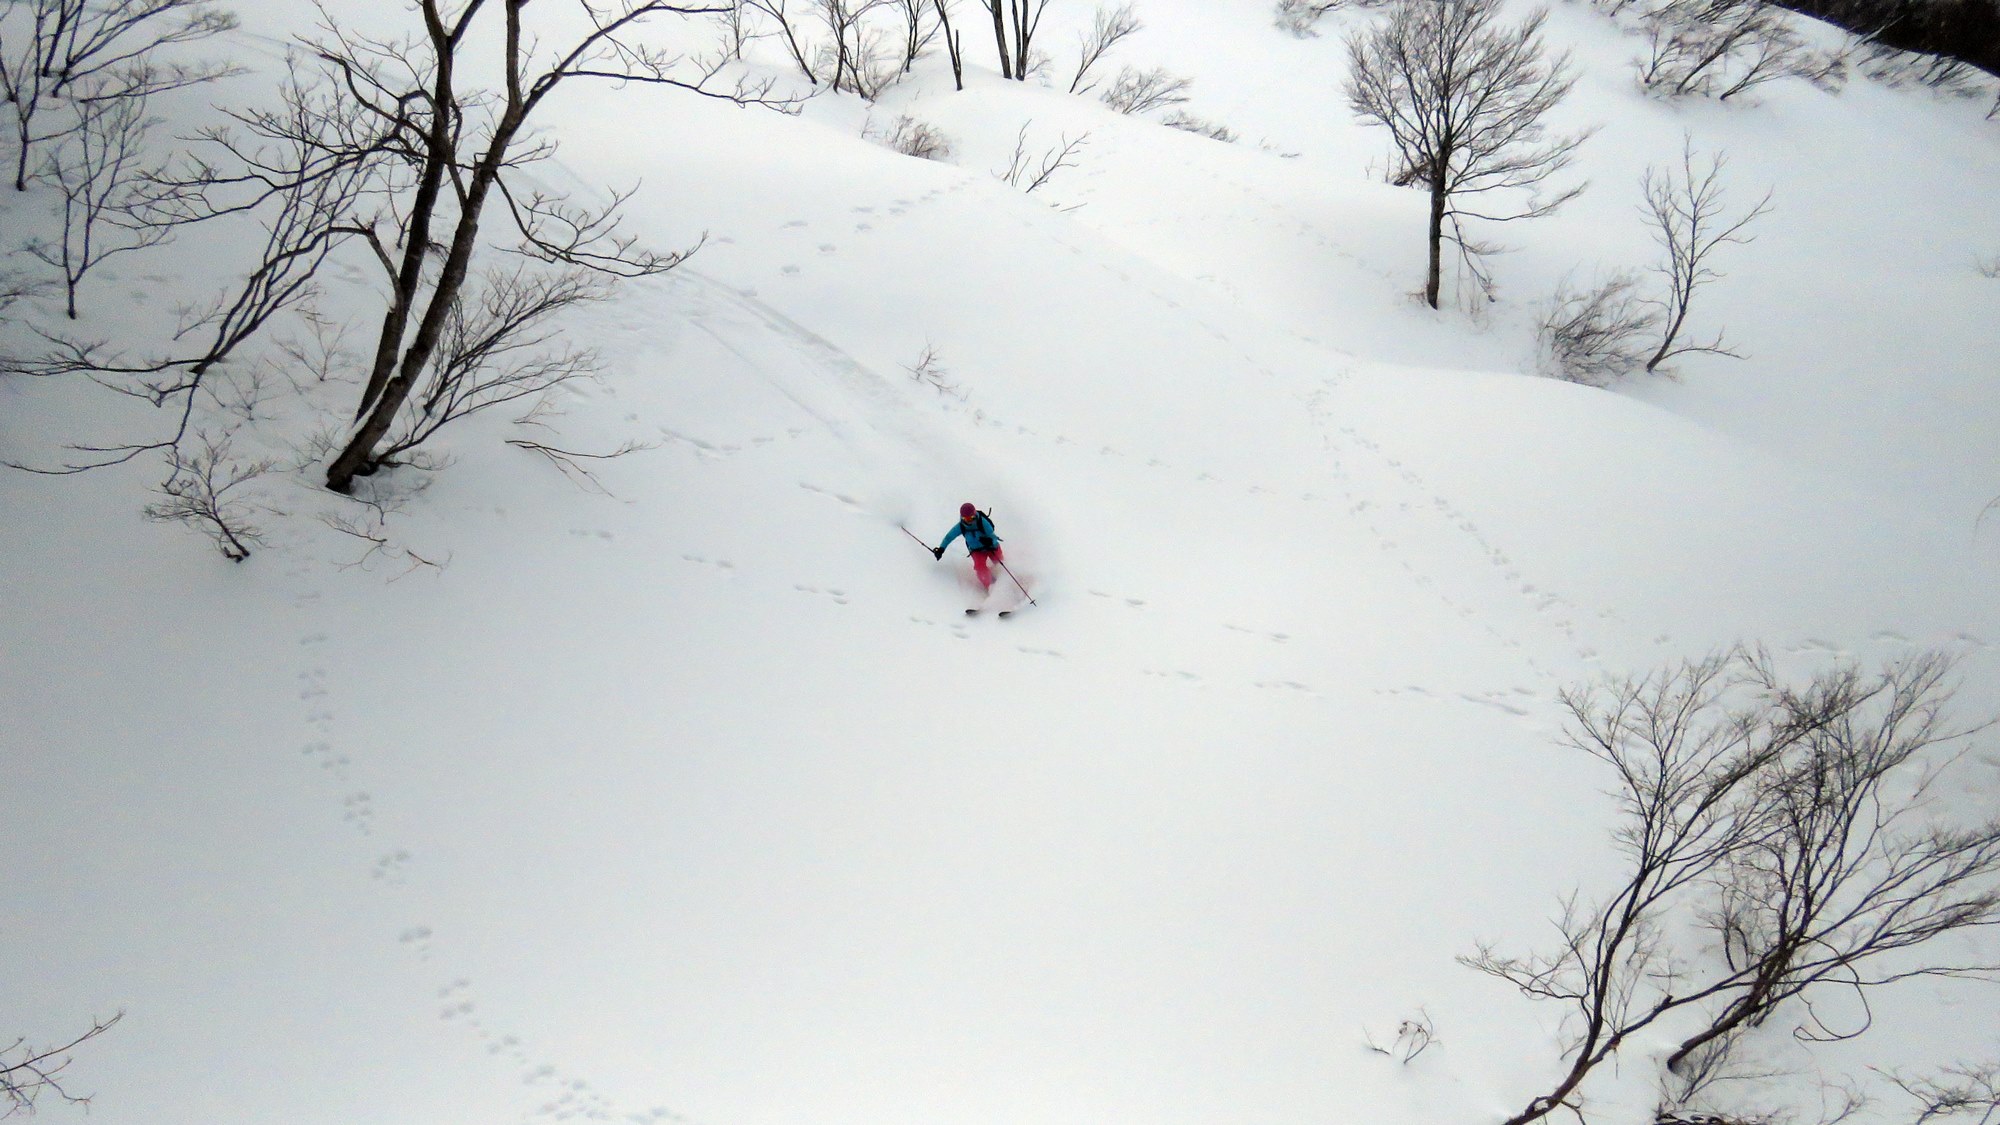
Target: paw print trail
{"points": [[550, 1092]]}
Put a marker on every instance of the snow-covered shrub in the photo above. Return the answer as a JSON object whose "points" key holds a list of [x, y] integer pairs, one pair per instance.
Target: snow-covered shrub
{"points": [[1597, 335], [1137, 91], [1189, 123], [919, 139]]}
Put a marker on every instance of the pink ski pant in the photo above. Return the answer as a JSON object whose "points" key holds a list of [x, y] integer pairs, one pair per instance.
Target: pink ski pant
{"points": [[981, 562]]}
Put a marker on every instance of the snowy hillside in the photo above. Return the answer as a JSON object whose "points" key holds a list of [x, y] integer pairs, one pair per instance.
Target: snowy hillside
{"points": [[689, 792]]}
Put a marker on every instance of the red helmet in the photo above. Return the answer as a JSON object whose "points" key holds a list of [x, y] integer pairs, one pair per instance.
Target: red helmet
{"points": [[966, 511]]}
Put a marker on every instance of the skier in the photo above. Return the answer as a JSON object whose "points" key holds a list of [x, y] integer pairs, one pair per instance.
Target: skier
{"points": [[976, 527]]}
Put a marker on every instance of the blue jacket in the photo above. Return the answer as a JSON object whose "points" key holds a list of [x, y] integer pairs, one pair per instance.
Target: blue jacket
{"points": [[978, 537]]}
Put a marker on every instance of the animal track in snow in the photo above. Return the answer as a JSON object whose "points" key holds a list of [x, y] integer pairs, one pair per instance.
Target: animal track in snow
{"points": [[1495, 700], [706, 449], [360, 812], [842, 498], [724, 565], [1286, 685], [839, 596], [390, 868]]}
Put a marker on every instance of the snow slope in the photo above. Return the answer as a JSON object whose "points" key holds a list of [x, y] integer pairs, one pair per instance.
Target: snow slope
{"points": [[700, 798]]}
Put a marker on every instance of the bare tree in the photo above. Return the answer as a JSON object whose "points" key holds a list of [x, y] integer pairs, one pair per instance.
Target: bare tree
{"points": [[1855, 870], [1463, 102], [1792, 823], [55, 51], [1110, 27], [27, 1072], [97, 168], [921, 24], [301, 231], [779, 12], [497, 346], [1015, 23], [433, 151], [954, 44], [855, 49], [1686, 753], [1689, 221]]}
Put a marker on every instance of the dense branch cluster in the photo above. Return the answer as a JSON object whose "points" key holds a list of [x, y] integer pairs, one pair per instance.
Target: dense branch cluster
{"points": [[1795, 825]]}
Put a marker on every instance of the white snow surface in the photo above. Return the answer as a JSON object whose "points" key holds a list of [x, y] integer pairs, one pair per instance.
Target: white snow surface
{"points": [[702, 800]]}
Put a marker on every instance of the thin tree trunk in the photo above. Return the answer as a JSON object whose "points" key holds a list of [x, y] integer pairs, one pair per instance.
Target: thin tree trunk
{"points": [[357, 459], [1673, 330], [1432, 278], [997, 7]]}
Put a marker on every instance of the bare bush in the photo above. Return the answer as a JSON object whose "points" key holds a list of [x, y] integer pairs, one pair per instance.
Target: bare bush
{"points": [[28, 1073], [1463, 103], [1962, 1090], [1414, 1036], [1595, 335], [1189, 123], [912, 137], [1690, 222], [196, 493], [1301, 17], [1030, 172], [1110, 27], [1720, 48], [1136, 91], [929, 369]]}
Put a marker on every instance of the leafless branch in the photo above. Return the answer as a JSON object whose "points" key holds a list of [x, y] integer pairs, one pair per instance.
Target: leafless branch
{"points": [[27, 1072], [1029, 172], [1689, 221]]}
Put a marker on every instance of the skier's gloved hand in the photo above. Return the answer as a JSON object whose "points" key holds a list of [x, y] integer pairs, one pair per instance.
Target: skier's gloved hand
{"points": [[937, 552]]}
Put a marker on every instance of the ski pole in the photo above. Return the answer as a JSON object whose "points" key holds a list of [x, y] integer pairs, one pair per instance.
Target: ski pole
{"points": [[913, 535], [1017, 582]]}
